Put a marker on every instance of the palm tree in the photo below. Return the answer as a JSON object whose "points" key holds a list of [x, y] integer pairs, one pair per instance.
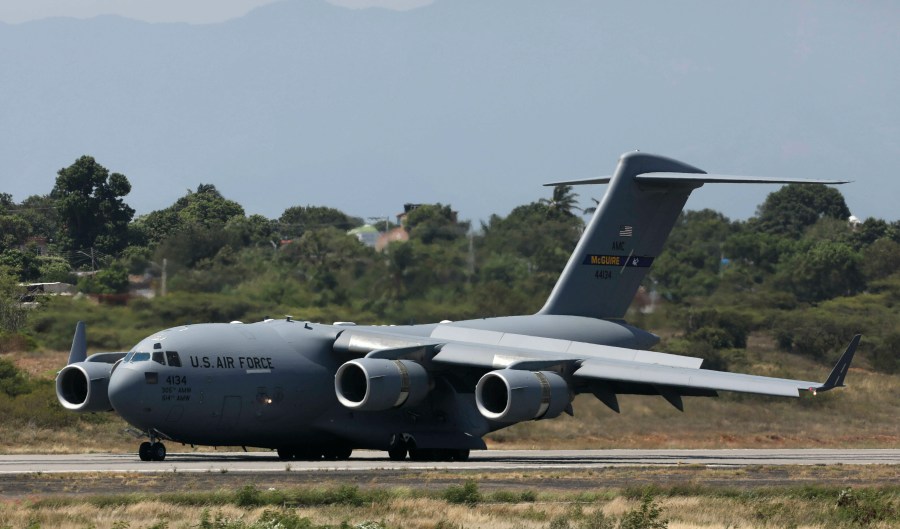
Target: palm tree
{"points": [[562, 201]]}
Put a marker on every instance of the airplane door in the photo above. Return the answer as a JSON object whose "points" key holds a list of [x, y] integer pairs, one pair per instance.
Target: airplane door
{"points": [[231, 412]]}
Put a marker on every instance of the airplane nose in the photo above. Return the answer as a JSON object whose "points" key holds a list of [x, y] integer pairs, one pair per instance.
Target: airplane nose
{"points": [[125, 388]]}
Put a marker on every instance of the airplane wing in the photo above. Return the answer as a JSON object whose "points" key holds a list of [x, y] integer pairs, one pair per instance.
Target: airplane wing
{"points": [[592, 368]]}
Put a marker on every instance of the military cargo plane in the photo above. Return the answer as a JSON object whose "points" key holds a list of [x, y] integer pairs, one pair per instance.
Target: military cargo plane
{"points": [[429, 392]]}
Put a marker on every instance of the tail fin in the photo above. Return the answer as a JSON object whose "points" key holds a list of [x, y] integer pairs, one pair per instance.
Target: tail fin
{"points": [[627, 232]]}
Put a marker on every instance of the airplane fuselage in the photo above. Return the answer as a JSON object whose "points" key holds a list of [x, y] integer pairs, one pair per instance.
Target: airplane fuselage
{"points": [[271, 384]]}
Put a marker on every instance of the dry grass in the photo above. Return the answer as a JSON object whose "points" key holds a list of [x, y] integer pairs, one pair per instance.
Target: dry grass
{"points": [[411, 512]]}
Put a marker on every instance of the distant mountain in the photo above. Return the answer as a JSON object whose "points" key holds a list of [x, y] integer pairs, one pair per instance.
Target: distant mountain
{"points": [[473, 103]]}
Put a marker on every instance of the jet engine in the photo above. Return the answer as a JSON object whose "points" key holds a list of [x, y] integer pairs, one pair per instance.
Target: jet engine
{"points": [[376, 384], [82, 386], [510, 395]]}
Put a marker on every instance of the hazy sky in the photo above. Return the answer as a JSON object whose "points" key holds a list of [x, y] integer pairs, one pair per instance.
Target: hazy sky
{"points": [[474, 103], [190, 11]]}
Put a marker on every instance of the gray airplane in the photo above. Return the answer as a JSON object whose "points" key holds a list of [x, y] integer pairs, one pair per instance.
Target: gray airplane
{"points": [[313, 391]]}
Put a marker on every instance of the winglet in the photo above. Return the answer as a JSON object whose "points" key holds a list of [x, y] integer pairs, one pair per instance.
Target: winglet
{"points": [[78, 352], [836, 378]]}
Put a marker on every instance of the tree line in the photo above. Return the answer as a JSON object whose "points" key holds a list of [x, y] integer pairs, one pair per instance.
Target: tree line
{"points": [[798, 268]]}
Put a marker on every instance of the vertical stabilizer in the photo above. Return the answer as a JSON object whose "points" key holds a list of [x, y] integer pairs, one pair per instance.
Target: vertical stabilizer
{"points": [[628, 231], [625, 235]]}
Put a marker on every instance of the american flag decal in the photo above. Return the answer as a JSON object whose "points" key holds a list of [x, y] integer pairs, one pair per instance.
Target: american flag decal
{"points": [[625, 231]]}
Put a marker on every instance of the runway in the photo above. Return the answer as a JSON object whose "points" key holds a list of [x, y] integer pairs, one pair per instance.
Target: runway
{"points": [[496, 460]]}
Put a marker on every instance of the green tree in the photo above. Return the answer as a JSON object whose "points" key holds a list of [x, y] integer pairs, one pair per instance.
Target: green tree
{"points": [[296, 220], [54, 269], [156, 226], [870, 231], [206, 207], [191, 244], [111, 280], [23, 264], [202, 210], [13, 231], [89, 201], [537, 241], [882, 258], [794, 207], [331, 262], [563, 200], [826, 270], [254, 230], [759, 250], [692, 257], [40, 212], [534, 233], [430, 223]]}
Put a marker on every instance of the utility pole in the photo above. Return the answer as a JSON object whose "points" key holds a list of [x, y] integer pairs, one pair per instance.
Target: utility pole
{"points": [[164, 276], [162, 290]]}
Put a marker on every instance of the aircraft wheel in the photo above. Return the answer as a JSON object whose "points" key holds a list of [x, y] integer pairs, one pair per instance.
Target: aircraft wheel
{"points": [[397, 453], [144, 451], [460, 455], [286, 454], [158, 452], [338, 453], [307, 454], [422, 454]]}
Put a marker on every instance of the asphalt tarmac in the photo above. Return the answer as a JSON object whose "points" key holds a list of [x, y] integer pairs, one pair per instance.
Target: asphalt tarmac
{"points": [[497, 460]]}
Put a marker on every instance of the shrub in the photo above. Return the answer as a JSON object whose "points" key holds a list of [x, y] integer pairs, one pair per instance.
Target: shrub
{"points": [[866, 507], [467, 494], [647, 516], [248, 496], [597, 520], [12, 381], [16, 342], [720, 329], [814, 334], [886, 355]]}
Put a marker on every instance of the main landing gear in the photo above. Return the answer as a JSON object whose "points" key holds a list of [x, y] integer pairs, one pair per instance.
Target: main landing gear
{"points": [[332, 453], [402, 445], [154, 451], [398, 453]]}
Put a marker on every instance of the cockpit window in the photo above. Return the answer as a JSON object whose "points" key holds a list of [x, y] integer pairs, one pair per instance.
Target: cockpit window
{"points": [[173, 359], [128, 357], [158, 357], [140, 357]]}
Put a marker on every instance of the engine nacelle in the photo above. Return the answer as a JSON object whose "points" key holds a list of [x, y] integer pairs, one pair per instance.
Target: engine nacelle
{"points": [[82, 386], [511, 395], [377, 384]]}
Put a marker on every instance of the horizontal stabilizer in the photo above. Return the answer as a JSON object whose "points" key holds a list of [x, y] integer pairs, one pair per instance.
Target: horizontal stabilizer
{"points": [[701, 178], [586, 181], [727, 179]]}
